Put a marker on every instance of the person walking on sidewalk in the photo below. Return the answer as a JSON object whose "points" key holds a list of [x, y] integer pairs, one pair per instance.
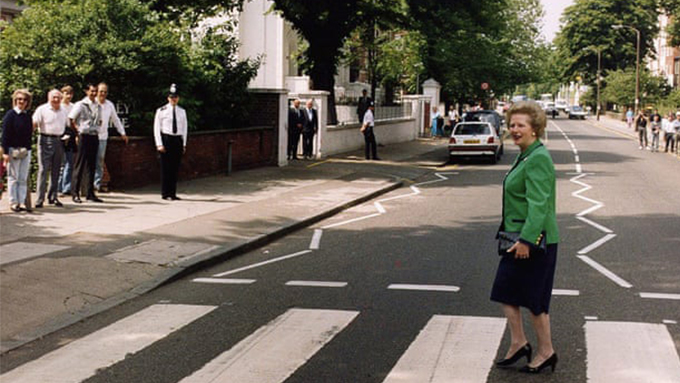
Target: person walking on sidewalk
{"points": [[68, 140], [86, 118], [109, 117], [170, 130], [50, 120], [17, 134], [641, 128], [367, 128], [669, 131], [295, 121], [629, 118], [310, 126]]}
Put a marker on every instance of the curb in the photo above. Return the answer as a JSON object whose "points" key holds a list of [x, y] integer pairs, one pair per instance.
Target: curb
{"points": [[210, 258]]}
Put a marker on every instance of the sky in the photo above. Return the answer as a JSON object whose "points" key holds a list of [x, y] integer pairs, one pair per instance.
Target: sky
{"points": [[553, 11]]}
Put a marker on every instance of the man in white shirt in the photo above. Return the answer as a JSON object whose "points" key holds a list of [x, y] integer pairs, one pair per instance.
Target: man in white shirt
{"points": [[50, 120], [85, 117], [170, 129], [369, 135], [108, 117]]}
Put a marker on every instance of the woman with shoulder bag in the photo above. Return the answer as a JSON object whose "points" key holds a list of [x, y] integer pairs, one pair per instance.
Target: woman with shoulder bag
{"points": [[529, 228], [17, 133]]}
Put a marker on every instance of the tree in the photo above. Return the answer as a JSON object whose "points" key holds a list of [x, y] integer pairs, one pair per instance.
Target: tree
{"points": [[588, 23], [620, 88], [127, 45], [672, 8]]}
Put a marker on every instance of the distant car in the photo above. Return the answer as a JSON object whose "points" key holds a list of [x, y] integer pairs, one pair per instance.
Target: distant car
{"points": [[549, 108], [561, 106], [490, 116], [475, 139], [519, 97], [576, 112]]}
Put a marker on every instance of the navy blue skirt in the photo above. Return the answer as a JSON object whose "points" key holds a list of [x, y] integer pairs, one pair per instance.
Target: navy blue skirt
{"points": [[526, 282]]}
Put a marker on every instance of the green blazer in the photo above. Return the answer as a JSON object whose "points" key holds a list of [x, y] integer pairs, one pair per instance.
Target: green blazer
{"points": [[529, 196]]}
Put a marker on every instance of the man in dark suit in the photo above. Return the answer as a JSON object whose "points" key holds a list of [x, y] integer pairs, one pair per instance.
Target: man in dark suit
{"points": [[295, 121], [310, 126], [362, 106]]}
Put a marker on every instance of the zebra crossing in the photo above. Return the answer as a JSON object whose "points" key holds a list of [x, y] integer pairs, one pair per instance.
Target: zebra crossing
{"points": [[447, 349]]}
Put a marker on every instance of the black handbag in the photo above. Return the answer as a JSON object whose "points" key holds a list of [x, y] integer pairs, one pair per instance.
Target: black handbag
{"points": [[507, 239]]}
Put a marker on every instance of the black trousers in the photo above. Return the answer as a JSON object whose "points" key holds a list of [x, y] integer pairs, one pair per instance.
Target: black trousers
{"points": [[307, 143], [293, 141], [371, 145], [170, 162], [86, 163]]}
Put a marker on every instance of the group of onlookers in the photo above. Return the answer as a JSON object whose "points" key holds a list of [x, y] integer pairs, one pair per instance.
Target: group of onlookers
{"points": [[71, 144], [656, 124]]}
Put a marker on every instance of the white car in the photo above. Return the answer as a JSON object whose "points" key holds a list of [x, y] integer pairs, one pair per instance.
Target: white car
{"points": [[561, 105], [475, 138], [576, 112]]}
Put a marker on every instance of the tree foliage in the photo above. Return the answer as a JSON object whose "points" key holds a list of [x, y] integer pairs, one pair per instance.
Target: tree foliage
{"points": [[587, 26], [127, 45], [620, 88], [672, 9]]}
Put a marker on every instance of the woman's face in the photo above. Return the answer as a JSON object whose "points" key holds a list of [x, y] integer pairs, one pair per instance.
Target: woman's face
{"points": [[521, 131], [21, 101]]}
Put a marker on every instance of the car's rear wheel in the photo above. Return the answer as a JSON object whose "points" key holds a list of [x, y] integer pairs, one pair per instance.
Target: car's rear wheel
{"points": [[494, 159]]}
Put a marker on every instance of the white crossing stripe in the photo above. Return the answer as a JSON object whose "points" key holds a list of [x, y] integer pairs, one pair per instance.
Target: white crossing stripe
{"points": [[225, 281], [443, 288], [82, 358], [625, 352], [275, 351], [571, 293], [451, 349]]}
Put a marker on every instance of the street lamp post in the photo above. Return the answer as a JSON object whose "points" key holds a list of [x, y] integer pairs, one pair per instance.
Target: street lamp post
{"points": [[637, 64], [599, 67]]}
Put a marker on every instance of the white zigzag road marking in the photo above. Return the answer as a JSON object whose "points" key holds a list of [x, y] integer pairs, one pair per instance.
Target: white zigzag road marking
{"points": [[580, 216]]}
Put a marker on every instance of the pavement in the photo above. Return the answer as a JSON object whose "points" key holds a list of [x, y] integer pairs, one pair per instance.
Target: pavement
{"points": [[59, 266]]}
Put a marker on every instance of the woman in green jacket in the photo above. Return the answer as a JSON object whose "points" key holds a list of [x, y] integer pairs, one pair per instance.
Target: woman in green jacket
{"points": [[525, 273]]}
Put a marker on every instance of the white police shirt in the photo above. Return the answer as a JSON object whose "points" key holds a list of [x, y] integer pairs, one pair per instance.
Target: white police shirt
{"points": [[162, 124]]}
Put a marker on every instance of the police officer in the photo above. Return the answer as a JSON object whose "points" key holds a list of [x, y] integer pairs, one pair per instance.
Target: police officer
{"points": [[170, 133]]}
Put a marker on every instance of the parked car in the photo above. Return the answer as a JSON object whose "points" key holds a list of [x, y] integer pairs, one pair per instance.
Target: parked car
{"points": [[561, 106], [576, 112], [490, 116], [549, 108], [476, 138]]}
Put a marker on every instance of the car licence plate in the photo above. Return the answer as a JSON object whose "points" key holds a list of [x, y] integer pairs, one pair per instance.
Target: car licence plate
{"points": [[471, 141]]}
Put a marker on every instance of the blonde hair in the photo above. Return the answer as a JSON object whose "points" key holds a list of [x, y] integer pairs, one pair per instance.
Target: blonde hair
{"points": [[26, 93], [537, 117], [67, 89]]}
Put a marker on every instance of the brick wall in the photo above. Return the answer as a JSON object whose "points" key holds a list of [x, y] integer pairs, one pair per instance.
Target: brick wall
{"points": [[137, 164]]}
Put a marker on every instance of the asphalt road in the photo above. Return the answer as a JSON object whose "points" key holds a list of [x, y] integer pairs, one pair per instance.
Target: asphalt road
{"points": [[619, 216]]}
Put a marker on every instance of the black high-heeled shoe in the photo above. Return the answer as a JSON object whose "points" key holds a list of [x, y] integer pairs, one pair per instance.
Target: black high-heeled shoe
{"points": [[522, 352], [550, 362]]}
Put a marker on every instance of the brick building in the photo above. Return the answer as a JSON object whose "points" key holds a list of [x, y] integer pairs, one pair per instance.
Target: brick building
{"points": [[667, 61]]}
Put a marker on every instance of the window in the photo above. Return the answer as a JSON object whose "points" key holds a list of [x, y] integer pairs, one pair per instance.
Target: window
{"points": [[473, 130]]}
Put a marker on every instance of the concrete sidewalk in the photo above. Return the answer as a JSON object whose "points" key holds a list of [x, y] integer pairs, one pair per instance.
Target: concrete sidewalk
{"points": [[60, 265], [621, 128]]}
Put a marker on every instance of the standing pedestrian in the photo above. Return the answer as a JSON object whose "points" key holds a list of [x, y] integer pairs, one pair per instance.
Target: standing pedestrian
{"points": [[69, 143], [310, 126], [17, 133], [629, 118], [641, 128], [170, 130], [362, 105], [367, 128], [50, 120], [675, 132], [526, 270], [85, 117], [435, 116], [295, 121], [453, 117], [656, 131], [108, 117]]}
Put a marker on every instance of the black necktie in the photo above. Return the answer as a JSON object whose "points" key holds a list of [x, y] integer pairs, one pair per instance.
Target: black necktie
{"points": [[174, 121]]}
